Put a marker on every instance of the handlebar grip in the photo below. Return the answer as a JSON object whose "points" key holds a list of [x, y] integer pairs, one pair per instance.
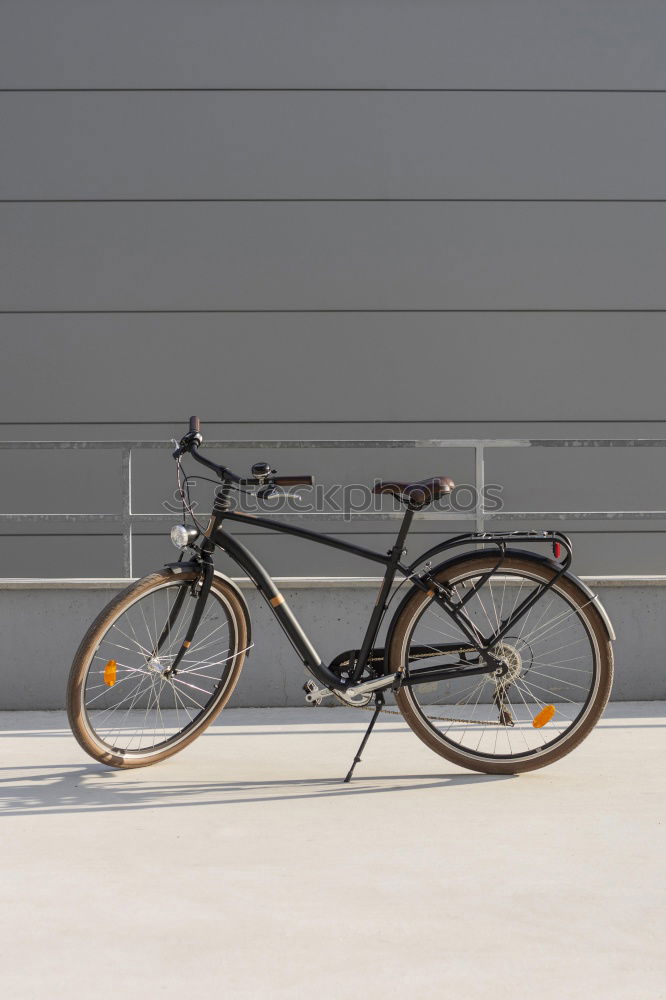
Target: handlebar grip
{"points": [[293, 480], [195, 425]]}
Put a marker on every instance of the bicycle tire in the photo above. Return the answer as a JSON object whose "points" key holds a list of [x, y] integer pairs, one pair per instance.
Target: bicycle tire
{"points": [[410, 698], [77, 709]]}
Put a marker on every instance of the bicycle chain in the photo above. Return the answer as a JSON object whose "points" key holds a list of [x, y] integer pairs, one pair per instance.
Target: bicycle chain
{"points": [[434, 718]]}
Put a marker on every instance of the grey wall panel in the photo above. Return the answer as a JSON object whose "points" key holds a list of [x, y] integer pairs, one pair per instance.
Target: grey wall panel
{"points": [[154, 476], [450, 253], [61, 482], [296, 43], [348, 366], [310, 255], [77, 481], [99, 556], [581, 479], [599, 552], [89, 556], [332, 145]]}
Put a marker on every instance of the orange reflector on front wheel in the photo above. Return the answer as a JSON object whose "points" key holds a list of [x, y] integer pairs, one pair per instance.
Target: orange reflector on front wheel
{"points": [[110, 673], [544, 716]]}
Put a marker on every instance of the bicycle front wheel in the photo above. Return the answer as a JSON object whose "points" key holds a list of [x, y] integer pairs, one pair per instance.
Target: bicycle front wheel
{"points": [[126, 708], [559, 676]]}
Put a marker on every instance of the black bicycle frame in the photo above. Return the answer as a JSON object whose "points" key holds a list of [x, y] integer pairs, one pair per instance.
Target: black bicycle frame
{"points": [[216, 536]]}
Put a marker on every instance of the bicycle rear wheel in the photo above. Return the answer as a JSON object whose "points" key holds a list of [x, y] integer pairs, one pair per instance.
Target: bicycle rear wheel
{"points": [[560, 668], [124, 706]]}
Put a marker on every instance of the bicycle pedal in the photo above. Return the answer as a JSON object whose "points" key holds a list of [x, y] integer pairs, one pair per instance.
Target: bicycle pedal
{"points": [[314, 695]]}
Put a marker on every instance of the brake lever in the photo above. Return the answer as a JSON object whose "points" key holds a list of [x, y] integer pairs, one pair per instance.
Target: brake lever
{"points": [[271, 492], [187, 442], [288, 495]]}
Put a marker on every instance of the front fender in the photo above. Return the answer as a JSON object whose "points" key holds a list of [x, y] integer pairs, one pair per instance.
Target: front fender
{"points": [[187, 567]]}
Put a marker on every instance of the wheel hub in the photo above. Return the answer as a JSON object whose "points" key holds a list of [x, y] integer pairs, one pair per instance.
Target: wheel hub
{"points": [[512, 659]]}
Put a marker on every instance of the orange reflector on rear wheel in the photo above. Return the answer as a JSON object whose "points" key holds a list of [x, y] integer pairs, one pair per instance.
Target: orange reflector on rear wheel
{"points": [[544, 716], [110, 673]]}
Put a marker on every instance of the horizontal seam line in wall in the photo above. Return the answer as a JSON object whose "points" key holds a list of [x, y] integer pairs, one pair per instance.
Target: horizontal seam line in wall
{"points": [[327, 201], [358, 420], [314, 311], [331, 90]]}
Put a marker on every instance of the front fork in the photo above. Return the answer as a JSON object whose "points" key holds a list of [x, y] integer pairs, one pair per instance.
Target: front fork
{"points": [[204, 583]]}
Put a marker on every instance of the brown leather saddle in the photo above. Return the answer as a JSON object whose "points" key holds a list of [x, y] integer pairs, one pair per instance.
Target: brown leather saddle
{"points": [[418, 493]]}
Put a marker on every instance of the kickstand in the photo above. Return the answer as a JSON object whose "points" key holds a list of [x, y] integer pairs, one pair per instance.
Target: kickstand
{"points": [[379, 702]]}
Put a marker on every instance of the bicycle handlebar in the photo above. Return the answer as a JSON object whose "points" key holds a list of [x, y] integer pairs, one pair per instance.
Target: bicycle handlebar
{"points": [[193, 440], [293, 480]]}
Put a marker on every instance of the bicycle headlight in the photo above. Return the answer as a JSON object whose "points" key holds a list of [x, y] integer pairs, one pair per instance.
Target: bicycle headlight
{"points": [[182, 536]]}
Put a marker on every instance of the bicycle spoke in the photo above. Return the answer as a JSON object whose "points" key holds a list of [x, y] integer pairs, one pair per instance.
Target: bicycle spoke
{"points": [[548, 661], [142, 708]]}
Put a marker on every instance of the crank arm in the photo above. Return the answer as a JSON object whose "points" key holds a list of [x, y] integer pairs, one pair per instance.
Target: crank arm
{"points": [[315, 695]]}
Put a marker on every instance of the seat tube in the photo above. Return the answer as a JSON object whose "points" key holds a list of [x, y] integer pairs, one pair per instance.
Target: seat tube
{"points": [[384, 590]]}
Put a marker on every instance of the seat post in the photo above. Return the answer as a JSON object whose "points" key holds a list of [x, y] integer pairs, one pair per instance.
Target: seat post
{"points": [[402, 534]]}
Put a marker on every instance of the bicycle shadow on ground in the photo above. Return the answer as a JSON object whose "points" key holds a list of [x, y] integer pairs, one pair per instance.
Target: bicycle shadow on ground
{"points": [[90, 788]]}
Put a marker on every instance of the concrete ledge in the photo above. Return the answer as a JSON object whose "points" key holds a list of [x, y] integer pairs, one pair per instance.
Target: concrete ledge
{"points": [[42, 622], [117, 583]]}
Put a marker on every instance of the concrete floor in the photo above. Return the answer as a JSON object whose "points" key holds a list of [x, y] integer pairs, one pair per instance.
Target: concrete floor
{"points": [[244, 868]]}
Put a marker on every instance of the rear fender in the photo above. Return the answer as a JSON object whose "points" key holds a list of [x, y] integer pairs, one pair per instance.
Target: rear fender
{"points": [[470, 557]]}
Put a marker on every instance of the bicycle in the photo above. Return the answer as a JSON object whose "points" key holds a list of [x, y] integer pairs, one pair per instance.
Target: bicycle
{"points": [[469, 654]]}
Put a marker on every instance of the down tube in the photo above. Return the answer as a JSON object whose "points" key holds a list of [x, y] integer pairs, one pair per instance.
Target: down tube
{"points": [[308, 654]]}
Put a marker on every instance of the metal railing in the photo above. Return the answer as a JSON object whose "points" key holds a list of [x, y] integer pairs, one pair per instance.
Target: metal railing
{"points": [[127, 518]]}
